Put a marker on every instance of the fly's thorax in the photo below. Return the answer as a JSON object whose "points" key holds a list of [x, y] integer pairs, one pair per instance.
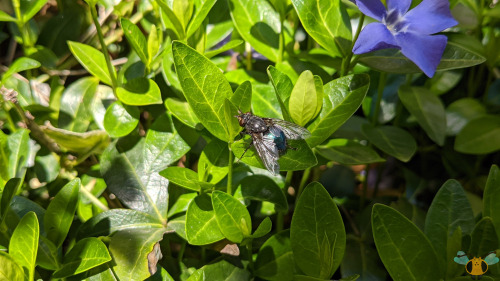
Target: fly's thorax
{"points": [[255, 124]]}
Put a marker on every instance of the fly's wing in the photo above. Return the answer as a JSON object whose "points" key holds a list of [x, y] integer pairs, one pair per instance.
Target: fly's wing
{"points": [[291, 130], [461, 258], [491, 259], [268, 152]]}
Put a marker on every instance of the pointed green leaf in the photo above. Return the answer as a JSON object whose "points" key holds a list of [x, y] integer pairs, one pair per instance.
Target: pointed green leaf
{"points": [[9, 269], [265, 102], [201, 224], [75, 109], [230, 45], [139, 91], [349, 152], [153, 44], [182, 111], [202, 7], [283, 87], [81, 143], [233, 126], [484, 238], [405, 251], [24, 244], [317, 233], [327, 22], [92, 60], [454, 244], [242, 97], [120, 119], [479, 136], [222, 270], [30, 8], [264, 228], [6, 17], [20, 64], [343, 96], [172, 19], [184, 177], [262, 188], [8, 193], [275, 258], [48, 255], [136, 39], [61, 211], [363, 259], [204, 86], [491, 197], [391, 140], [427, 109], [181, 204], [16, 150], [232, 217], [302, 102], [461, 112]]}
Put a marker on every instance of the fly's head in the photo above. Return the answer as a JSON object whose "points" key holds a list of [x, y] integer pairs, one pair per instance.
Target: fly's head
{"points": [[243, 117]]}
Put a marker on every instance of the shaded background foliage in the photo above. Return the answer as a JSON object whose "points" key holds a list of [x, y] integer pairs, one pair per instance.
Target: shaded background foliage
{"points": [[120, 163]]}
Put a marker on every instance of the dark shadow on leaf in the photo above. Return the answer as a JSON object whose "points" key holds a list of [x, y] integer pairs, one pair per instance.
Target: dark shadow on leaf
{"points": [[265, 34], [204, 202]]}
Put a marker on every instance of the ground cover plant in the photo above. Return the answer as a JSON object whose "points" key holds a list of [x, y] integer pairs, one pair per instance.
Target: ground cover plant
{"points": [[124, 153]]}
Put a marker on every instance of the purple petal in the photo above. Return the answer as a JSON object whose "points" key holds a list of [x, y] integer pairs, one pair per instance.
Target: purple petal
{"points": [[424, 50], [430, 16], [401, 6], [374, 36], [372, 8]]}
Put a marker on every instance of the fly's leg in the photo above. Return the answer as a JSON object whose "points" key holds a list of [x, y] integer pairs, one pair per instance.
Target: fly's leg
{"points": [[251, 143]]}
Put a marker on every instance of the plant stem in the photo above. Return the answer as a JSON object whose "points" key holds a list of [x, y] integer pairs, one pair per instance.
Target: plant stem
{"points": [[346, 65], [280, 215], [380, 92], [230, 171], [183, 248], [303, 182], [250, 257]]}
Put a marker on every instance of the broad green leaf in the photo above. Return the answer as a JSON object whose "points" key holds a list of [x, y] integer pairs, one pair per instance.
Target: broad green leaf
{"points": [[317, 233], [14, 149], [230, 45], [265, 102], [213, 162], [343, 97], [75, 109], [132, 174], [120, 119], [349, 152], [443, 81], [301, 158], [182, 111], [168, 68], [427, 109], [181, 204], [183, 10], [139, 91], [479, 136], [204, 86], [491, 197], [454, 244], [6, 17], [275, 260], [362, 258], [92, 60], [108, 222], [153, 44], [233, 126], [184, 177], [178, 225], [130, 249], [283, 87], [405, 251], [391, 140], [262, 188], [232, 217], [9, 269], [20, 64], [30, 8], [242, 97], [48, 254], [264, 228], [86, 254], [327, 22], [81, 143], [456, 55], [201, 7], [24, 244], [136, 39], [259, 24], [201, 224], [8, 192], [173, 20], [222, 270], [449, 210], [461, 112], [484, 238], [302, 102], [61, 211], [320, 93]]}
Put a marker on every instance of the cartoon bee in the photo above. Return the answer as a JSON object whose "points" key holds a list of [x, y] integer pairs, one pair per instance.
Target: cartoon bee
{"points": [[476, 266]]}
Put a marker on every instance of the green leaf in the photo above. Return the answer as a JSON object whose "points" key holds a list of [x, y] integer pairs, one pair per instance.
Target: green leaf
{"points": [[202, 7], [461, 112], [242, 97], [302, 105], [233, 126], [182, 111], [136, 39], [349, 152], [205, 88], [81, 143], [484, 238], [30, 8], [213, 162], [275, 258], [153, 44], [343, 96], [391, 140], [15, 150], [427, 109], [20, 64], [294, 160], [9, 269], [181, 204], [24, 244], [232, 217], [327, 22], [48, 255], [259, 24], [317, 233], [108, 222], [6, 17], [222, 270], [362, 259], [92, 60], [454, 244], [456, 55], [185, 177], [86, 254], [283, 87], [172, 19], [75, 109], [265, 102], [61, 211], [139, 91], [264, 228], [479, 136], [201, 224], [262, 188], [405, 251], [120, 119], [491, 197], [130, 249], [230, 45], [8, 193], [449, 210]]}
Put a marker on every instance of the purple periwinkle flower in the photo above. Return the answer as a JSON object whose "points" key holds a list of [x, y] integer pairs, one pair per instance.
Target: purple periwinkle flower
{"points": [[409, 31]]}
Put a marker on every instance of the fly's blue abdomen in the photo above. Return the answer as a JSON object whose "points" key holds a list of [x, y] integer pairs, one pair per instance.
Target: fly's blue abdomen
{"points": [[279, 138]]}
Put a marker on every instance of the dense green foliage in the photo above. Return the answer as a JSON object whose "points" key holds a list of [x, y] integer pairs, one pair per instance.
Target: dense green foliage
{"points": [[122, 162]]}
